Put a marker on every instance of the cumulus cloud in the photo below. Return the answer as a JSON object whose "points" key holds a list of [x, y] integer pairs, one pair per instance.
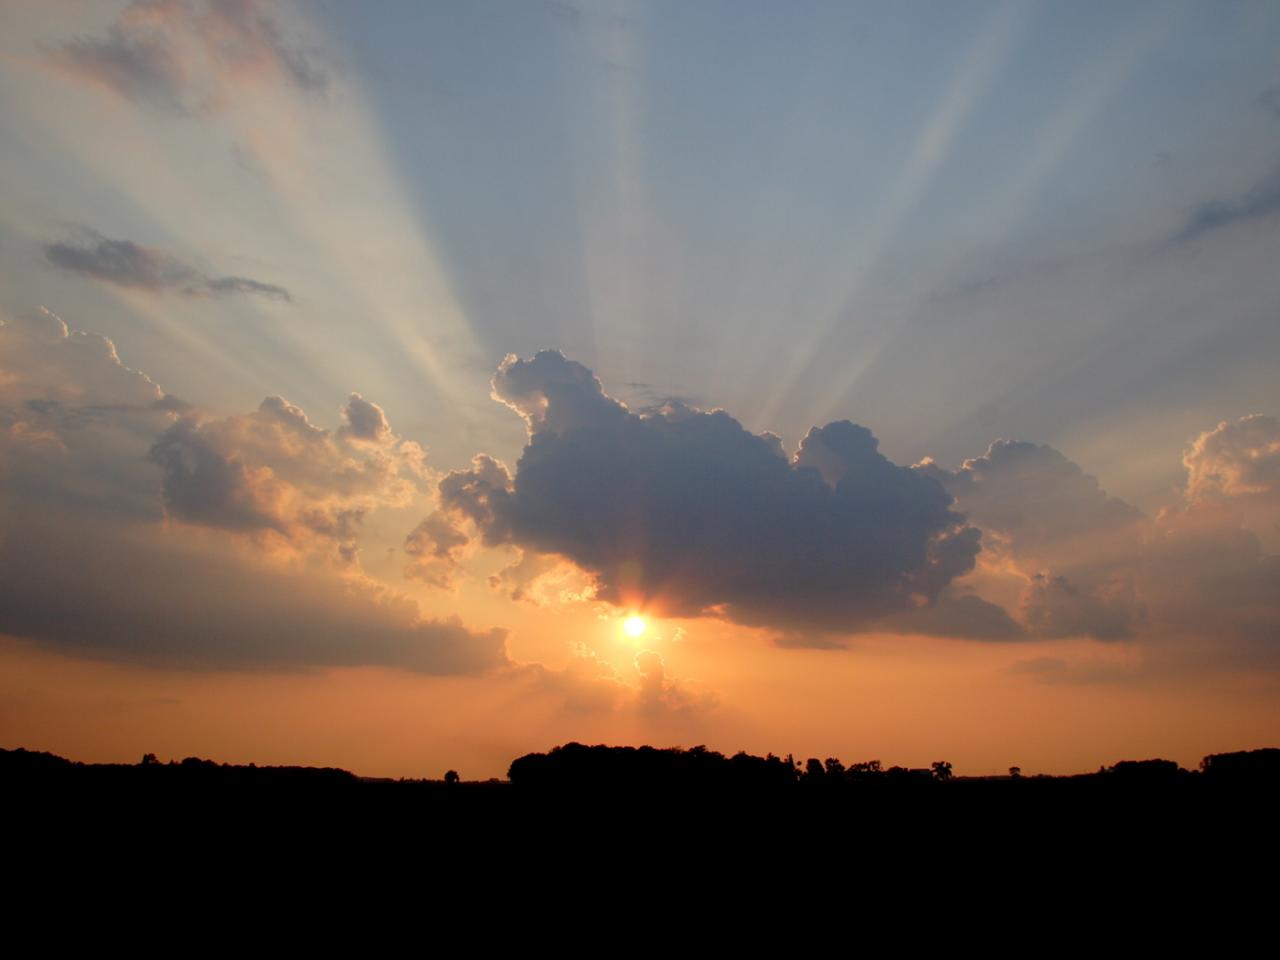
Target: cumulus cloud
{"points": [[684, 512], [1198, 582], [1211, 566], [1238, 463], [1235, 459], [688, 513], [363, 420], [68, 406], [191, 56], [124, 263], [94, 457], [274, 470], [1045, 518], [1041, 505]]}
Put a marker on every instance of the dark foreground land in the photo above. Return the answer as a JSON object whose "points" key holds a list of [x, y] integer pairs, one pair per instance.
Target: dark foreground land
{"points": [[578, 820], [589, 781]]}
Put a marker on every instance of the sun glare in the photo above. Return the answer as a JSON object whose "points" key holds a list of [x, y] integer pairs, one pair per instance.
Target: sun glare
{"points": [[633, 626]]}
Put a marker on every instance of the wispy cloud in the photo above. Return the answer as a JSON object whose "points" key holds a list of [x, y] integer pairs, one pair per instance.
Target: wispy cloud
{"points": [[128, 264], [186, 55], [1258, 203]]}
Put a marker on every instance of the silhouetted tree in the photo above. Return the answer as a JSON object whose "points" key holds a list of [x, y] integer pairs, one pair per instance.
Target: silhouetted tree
{"points": [[1146, 771], [451, 776], [149, 760], [1257, 767], [1015, 773], [835, 769], [865, 769], [941, 770]]}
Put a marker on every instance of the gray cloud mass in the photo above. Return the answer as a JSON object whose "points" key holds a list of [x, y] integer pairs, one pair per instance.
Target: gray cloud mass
{"points": [[689, 513], [138, 528]]}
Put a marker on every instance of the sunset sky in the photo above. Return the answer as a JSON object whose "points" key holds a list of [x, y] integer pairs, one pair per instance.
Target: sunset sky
{"points": [[406, 386]]}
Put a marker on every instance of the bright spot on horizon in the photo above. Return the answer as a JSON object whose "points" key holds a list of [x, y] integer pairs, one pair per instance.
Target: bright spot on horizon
{"points": [[633, 626]]}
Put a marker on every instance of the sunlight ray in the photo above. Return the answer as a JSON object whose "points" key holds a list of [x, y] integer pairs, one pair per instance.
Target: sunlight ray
{"points": [[927, 155], [312, 186], [610, 203], [1087, 96]]}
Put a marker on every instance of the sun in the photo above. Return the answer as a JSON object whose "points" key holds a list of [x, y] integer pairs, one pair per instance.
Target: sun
{"points": [[633, 626]]}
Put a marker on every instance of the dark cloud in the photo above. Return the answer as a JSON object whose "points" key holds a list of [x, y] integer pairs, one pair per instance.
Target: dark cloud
{"points": [[121, 262], [128, 264], [646, 398], [189, 56], [217, 286], [688, 513], [365, 420], [224, 557], [204, 485], [103, 589], [1259, 203]]}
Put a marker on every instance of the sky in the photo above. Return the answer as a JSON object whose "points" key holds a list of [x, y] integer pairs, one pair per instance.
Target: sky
{"points": [[908, 370]]}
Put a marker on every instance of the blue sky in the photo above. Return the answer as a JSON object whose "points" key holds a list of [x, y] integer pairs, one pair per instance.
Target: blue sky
{"points": [[896, 213], [707, 197]]}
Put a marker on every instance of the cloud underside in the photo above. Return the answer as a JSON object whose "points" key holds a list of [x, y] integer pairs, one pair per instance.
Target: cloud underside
{"points": [[124, 263], [150, 599]]}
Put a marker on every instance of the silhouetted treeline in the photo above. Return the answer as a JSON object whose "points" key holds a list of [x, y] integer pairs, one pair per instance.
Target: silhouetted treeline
{"points": [[578, 802], [575, 766], [1250, 767], [19, 766]]}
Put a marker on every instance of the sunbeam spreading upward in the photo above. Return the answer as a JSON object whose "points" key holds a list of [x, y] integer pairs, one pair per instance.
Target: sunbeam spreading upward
{"points": [[408, 387]]}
